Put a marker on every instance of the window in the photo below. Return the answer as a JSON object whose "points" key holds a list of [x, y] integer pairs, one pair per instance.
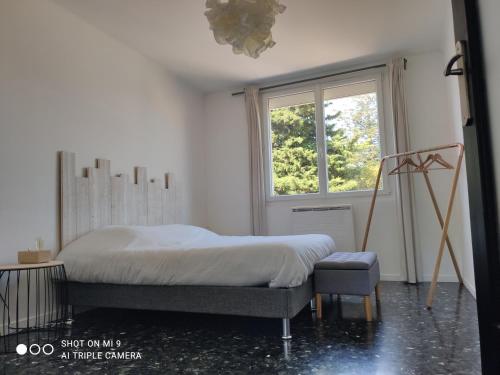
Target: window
{"points": [[325, 138], [294, 144], [352, 136]]}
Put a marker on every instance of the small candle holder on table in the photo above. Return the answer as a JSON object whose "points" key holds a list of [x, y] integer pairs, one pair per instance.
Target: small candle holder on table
{"points": [[33, 304]]}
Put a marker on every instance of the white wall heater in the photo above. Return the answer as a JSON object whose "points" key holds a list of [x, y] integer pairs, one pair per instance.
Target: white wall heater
{"points": [[335, 221]]}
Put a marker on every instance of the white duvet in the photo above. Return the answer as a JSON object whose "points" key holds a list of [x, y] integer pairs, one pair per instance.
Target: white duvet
{"points": [[188, 255]]}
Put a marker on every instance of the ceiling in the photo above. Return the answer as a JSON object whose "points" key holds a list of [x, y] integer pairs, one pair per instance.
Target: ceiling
{"points": [[310, 34]]}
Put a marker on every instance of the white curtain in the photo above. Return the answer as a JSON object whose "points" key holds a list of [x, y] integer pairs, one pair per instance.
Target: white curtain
{"points": [[404, 188], [257, 188]]}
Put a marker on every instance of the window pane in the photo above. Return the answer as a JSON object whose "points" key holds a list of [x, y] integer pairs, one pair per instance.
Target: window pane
{"points": [[294, 150], [352, 136]]}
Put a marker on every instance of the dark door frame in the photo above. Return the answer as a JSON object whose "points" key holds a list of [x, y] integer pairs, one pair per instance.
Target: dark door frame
{"points": [[481, 186]]}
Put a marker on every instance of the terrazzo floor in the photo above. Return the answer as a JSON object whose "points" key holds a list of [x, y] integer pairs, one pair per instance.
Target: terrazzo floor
{"points": [[405, 338]]}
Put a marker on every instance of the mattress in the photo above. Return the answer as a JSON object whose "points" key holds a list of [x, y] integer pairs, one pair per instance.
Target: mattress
{"points": [[189, 255]]}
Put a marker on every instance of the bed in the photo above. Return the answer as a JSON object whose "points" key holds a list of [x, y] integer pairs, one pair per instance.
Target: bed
{"points": [[122, 248]]}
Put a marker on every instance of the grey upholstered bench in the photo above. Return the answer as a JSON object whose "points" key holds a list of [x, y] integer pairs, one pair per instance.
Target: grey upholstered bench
{"points": [[347, 273]]}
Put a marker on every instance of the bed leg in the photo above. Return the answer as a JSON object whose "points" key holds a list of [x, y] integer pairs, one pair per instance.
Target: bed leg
{"points": [[286, 329], [313, 304], [71, 315]]}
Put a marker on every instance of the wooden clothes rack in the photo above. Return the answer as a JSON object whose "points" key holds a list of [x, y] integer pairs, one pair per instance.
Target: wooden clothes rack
{"points": [[427, 161]]}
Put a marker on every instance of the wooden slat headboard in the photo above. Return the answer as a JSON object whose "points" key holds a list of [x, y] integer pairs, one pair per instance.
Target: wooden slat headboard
{"points": [[98, 199]]}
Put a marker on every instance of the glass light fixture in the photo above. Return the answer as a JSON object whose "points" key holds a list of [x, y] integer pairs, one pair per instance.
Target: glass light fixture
{"points": [[244, 24]]}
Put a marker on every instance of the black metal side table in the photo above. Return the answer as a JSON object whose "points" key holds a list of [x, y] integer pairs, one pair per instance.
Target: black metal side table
{"points": [[33, 304]]}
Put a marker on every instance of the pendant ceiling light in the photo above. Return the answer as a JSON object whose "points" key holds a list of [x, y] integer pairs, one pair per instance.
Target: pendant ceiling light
{"points": [[244, 24]]}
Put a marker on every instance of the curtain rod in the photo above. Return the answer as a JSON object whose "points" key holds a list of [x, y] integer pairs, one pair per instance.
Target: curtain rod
{"points": [[314, 78]]}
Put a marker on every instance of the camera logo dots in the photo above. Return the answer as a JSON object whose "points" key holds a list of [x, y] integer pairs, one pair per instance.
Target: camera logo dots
{"points": [[35, 349], [21, 349], [47, 349]]}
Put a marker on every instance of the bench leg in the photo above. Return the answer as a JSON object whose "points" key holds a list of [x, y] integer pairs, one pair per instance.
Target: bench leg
{"points": [[377, 293], [368, 308], [287, 335], [319, 308]]}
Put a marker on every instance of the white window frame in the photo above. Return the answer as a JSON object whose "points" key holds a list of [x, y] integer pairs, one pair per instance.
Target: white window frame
{"points": [[317, 88]]}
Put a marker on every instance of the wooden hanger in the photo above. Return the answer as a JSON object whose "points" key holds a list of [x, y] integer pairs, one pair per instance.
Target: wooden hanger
{"points": [[434, 158], [408, 161]]}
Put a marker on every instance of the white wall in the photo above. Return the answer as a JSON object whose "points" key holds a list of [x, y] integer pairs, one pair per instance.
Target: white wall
{"points": [[433, 121], [64, 85], [227, 161]]}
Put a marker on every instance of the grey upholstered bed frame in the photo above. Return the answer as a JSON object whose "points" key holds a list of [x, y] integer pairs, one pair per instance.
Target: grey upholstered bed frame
{"points": [[98, 199]]}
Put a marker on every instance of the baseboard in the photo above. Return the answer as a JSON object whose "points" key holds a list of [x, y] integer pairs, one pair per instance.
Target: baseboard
{"points": [[390, 277], [453, 279], [471, 288], [441, 279]]}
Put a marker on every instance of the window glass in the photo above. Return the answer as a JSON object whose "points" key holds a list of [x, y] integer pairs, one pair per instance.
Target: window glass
{"points": [[352, 136], [294, 144]]}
